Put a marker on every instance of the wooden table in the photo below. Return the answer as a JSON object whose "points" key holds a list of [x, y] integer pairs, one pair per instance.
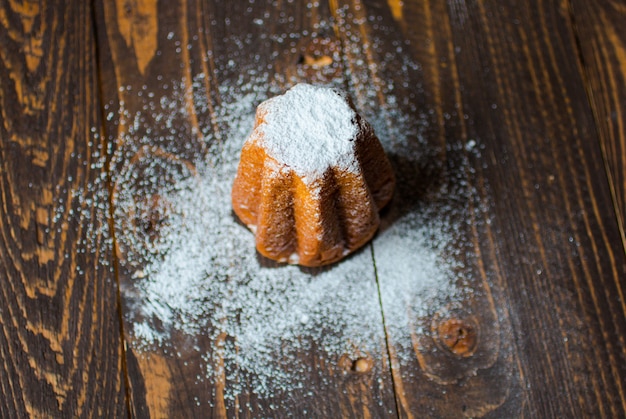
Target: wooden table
{"points": [[529, 101]]}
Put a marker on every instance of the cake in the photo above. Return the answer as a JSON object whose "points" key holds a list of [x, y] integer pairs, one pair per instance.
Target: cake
{"points": [[312, 177]]}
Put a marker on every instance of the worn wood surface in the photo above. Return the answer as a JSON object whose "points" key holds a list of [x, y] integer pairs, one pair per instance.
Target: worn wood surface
{"points": [[520, 115], [60, 343], [481, 377], [555, 240], [434, 377], [130, 64], [602, 41]]}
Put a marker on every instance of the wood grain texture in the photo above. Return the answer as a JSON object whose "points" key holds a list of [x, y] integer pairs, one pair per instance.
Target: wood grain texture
{"points": [[142, 63], [553, 238], [198, 51], [601, 36], [60, 342], [516, 110], [462, 359]]}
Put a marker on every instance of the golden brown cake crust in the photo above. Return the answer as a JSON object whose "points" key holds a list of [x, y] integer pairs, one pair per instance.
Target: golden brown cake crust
{"points": [[316, 216]]}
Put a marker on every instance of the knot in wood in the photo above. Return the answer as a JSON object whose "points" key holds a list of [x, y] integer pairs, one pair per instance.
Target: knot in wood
{"points": [[361, 365], [320, 52], [152, 216], [320, 59], [458, 336]]}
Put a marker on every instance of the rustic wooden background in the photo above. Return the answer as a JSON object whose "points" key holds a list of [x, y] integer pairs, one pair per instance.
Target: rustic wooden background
{"points": [[545, 83]]}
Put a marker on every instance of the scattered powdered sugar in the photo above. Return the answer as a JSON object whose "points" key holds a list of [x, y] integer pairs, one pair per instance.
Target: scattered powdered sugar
{"points": [[314, 119], [203, 276], [210, 281], [200, 276]]}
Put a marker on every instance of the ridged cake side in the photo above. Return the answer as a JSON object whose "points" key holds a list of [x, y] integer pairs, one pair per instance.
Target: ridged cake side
{"points": [[374, 164], [312, 220]]}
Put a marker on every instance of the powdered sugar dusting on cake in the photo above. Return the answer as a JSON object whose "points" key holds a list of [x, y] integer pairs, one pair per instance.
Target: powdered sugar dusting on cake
{"points": [[309, 129]]}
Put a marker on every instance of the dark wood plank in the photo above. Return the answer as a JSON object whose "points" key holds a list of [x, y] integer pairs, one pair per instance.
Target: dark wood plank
{"points": [[173, 76], [601, 35], [60, 341], [503, 82], [447, 318], [553, 237]]}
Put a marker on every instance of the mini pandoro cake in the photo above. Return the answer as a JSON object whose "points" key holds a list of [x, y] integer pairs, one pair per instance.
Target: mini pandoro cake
{"points": [[312, 177]]}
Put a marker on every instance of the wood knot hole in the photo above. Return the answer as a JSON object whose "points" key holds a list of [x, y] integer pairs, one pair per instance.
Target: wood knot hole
{"points": [[458, 336], [361, 365], [152, 216], [320, 52], [315, 62]]}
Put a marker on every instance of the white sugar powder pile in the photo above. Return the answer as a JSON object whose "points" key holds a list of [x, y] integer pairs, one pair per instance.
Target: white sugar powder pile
{"points": [[312, 118]]}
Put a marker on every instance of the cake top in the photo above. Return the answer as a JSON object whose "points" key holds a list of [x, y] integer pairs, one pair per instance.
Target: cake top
{"points": [[309, 129]]}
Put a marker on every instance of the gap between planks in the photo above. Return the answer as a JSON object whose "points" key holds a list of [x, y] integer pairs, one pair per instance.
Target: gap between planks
{"points": [[111, 220]]}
